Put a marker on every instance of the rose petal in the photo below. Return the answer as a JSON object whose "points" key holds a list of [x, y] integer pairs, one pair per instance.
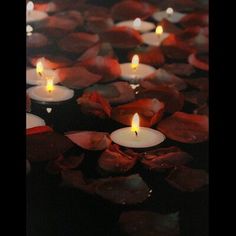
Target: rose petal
{"points": [[150, 56], [91, 52], [107, 67], [128, 10], [174, 48], [185, 128], [186, 179], [170, 27], [37, 40], [114, 160], [77, 77], [165, 158], [199, 83], [199, 61], [90, 140], [179, 69], [39, 130], [114, 93], [196, 97], [202, 110], [171, 97], [195, 19], [163, 77], [150, 112], [78, 42], [46, 146], [121, 37], [97, 24], [92, 103]]}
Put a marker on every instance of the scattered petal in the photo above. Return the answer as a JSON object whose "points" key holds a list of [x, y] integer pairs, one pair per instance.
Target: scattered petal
{"points": [[185, 128]]}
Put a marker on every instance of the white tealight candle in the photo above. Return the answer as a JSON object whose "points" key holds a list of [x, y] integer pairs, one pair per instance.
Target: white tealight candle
{"points": [[155, 39], [36, 76], [137, 137], [29, 30], [138, 24], [135, 71], [34, 15], [50, 93], [169, 14], [33, 121]]}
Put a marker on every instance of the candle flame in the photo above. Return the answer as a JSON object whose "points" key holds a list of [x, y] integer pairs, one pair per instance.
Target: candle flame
{"points": [[169, 11], [30, 6], [135, 62], [137, 23], [135, 123], [159, 30], [39, 68], [49, 86]]}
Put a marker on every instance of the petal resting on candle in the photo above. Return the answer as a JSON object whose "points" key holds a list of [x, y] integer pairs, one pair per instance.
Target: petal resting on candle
{"points": [[186, 179], [116, 161], [92, 103], [129, 10], [121, 37], [107, 67], [90, 140], [149, 110], [138, 223], [185, 128]]}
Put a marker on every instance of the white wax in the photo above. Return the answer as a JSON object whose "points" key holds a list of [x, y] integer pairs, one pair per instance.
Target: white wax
{"points": [[144, 27], [35, 15], [153, 39], [133, 76], [33, 121], [59, 94], [174, 18], [146, 137], [32, 78]]}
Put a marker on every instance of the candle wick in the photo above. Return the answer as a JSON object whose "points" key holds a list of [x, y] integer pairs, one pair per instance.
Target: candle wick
{"points": [[136, 133]]}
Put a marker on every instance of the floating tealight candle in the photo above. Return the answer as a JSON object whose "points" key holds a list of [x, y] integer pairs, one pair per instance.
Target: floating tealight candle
{"points": [[135, 71], [169, 14], [29, 30], [50, 93], [37, 76], [138, 24], [155, 39], [33, 121], [136, 136], [34, 15]]}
